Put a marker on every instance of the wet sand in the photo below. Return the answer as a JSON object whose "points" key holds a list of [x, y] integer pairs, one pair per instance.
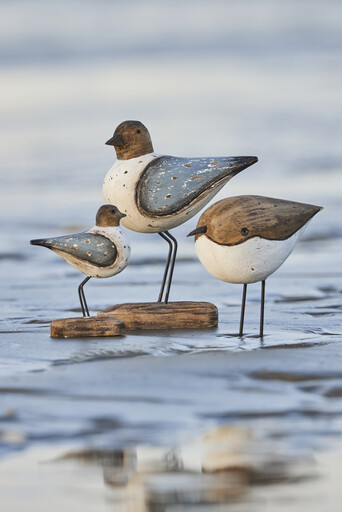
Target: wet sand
{"points": [[241, 428]]}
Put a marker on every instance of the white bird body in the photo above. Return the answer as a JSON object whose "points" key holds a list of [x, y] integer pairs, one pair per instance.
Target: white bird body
{"points": [[251, 261], [119, 188]]}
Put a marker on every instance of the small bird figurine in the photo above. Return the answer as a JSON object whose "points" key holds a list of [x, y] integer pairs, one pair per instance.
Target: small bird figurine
{"points": [[244, 239], [103, 251], [160, 192]]}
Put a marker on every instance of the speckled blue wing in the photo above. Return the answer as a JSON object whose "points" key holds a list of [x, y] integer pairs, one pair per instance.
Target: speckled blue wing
{"points": [[96, 249], [169, 183]]}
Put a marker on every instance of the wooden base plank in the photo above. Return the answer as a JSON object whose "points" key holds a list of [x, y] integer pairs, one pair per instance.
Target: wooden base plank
{"points": [[158, 315], [93, 326]]}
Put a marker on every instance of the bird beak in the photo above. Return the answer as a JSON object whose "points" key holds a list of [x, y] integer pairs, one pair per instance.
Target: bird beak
{"points": [[198, 231], [122, 215], [116, 140]]}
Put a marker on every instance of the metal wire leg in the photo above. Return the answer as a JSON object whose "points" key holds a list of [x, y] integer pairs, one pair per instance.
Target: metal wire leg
{"points": [[262, 308], [174, 255], [81, 295], [242, 317], [81, 301], [166, 266]]}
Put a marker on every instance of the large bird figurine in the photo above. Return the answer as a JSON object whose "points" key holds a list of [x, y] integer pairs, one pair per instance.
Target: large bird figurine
{"points": [[159, 192]]}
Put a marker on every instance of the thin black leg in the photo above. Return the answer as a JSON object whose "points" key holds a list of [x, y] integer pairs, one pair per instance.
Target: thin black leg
{"points": [[81, 295], [166, 266], [262, 308], [85, 303], [81, 300], [242, 317], [174, 255]]}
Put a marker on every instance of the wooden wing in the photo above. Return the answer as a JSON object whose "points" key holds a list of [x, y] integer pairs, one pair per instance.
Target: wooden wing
{"points": [[96, 249], [168, 183]]}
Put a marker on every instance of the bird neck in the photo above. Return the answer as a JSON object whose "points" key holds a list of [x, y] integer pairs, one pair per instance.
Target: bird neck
{"points": [[135, 150], [107, 231]]}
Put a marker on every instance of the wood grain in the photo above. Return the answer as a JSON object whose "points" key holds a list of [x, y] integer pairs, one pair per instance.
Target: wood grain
{"points": [[233, 220], [161, 316], [87, 327]]}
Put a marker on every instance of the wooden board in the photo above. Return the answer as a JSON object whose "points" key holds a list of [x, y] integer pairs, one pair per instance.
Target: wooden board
{"points": [[93, 326], [158, 315]]}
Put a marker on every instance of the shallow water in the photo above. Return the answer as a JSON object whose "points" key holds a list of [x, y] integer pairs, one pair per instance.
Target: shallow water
{"points": [[179, 420]]}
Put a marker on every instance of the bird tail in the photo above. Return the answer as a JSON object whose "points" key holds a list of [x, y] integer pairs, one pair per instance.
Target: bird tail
{"points": [[239, 163], [44, 242]]}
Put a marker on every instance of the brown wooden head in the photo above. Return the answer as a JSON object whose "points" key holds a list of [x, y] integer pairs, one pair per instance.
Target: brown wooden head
{"points": [[130, 140], [234, 220], [108, 216]]}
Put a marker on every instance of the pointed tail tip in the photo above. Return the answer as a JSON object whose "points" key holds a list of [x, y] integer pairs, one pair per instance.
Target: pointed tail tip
{"points": [[242, 162], [316, 209], [37, 242], [250, 160]]}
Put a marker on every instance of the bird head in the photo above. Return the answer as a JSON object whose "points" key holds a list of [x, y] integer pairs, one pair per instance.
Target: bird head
{"points": [[131, 139], [108, 216]]}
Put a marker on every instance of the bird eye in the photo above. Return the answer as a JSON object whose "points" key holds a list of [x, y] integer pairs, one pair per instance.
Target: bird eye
{"points": [[113, 211], [244, 231], [138, 131]]}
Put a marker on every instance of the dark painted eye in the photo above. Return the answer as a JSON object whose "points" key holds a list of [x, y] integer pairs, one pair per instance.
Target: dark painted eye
{"points": [[244, 231], [138, 131], [113, 211]]}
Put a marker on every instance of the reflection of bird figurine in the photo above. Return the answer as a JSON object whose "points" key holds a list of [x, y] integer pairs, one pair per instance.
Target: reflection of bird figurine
{"points": [[103, 251], [244, 239], [160, 192]]}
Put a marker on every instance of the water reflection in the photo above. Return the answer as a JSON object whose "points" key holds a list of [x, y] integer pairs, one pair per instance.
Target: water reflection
{"points": [[219, 467]]}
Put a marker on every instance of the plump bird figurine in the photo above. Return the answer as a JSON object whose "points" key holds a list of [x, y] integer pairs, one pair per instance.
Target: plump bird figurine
{"points": [[244, 239], [103, 251], [159, 192]]}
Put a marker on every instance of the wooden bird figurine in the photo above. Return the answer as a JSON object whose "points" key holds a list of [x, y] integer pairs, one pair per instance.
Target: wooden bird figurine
{"points": [[244, 239], [160, 192], [102, 251]]}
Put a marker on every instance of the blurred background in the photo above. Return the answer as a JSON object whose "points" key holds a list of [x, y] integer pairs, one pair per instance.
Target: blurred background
{"points": [[225, 77], [207, 78]]}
